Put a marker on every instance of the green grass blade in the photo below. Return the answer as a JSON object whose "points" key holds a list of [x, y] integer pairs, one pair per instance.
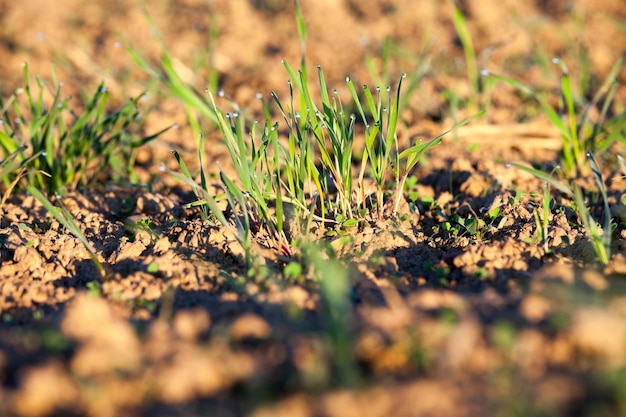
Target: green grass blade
{"points": [[393, 115], [301, 26], [324, 91], [369, 99], [591, 228], [356, 99], [9, 145], [546, 177], [189, 180], [206, 199], [573, 139], [606, 236], [468, 48]]}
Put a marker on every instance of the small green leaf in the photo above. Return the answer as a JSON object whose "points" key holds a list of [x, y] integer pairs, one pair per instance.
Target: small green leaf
{"points": [[350, 223], [152, 268], [293, 270], [494, 212]]}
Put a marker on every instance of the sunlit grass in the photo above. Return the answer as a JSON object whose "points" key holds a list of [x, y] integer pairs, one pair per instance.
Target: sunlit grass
{"points": [[579, 133], [54, 148], [599, 235]]}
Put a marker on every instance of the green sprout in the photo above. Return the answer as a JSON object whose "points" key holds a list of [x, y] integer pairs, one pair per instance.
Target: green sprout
{"points": [[59, 149], [283, 184], [579, 134], [599, 237]]}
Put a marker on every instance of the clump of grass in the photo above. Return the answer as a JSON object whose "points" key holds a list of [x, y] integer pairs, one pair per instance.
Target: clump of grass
{"points": [[582, 139], [580, 134], [51, 146], [599, 236], [241, 229], [309, 175]]}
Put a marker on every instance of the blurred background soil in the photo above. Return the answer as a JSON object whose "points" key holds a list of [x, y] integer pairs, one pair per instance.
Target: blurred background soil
{"points": [[511, 333]]}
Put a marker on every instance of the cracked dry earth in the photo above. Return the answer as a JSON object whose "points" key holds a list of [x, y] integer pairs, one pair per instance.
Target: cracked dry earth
{"points": [[467, 321]]}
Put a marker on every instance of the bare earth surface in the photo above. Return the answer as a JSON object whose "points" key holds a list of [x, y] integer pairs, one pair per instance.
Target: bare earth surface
{"points": [[438, 323]]}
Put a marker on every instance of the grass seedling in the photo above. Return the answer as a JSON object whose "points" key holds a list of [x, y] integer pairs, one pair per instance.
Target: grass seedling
{"points": [[380, 137], [580, 135], [59, 149], [256, 163], [333, 132], [237, 201], [470, 55], [308, 175], [600, 237], [241, 229], [543, 221]]}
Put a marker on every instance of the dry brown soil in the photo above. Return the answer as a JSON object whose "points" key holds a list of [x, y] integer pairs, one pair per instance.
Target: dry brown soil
{"points": [[437, 324]]}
